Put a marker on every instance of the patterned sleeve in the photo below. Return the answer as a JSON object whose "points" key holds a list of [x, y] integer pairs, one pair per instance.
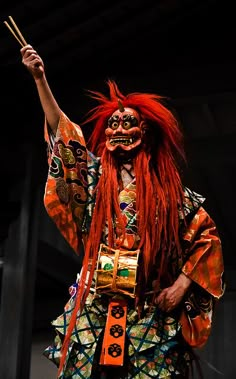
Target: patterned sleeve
{"points": [[204, 265], [66, 186], [204, 259]]}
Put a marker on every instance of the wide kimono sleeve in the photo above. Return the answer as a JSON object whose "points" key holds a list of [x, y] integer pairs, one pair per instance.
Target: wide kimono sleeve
{"points": [[65, 194], [204, 265]]}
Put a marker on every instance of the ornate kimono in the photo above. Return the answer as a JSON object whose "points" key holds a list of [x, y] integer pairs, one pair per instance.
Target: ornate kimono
{"points": [[158, 344]]}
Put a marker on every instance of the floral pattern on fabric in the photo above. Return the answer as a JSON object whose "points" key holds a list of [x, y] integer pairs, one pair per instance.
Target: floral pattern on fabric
{"points": [[127, 201]]}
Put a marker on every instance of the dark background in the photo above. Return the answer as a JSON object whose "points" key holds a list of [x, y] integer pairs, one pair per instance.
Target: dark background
{"points": [[184, 50]]}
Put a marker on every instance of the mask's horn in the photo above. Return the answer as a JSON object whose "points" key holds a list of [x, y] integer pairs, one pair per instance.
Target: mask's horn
{"points": [[120, 106]]}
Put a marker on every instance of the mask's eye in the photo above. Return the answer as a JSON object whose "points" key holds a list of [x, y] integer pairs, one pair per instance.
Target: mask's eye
{"points": [[114, 125], [127, 125]]}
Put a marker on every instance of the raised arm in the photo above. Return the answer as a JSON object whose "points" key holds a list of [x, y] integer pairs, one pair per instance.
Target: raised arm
{"points": [[35, 65]]}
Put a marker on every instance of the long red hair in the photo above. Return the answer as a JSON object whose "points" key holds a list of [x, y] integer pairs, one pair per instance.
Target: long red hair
{"points": [[159, 190]]}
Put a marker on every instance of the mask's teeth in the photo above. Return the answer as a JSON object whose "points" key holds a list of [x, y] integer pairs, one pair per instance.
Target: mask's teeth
{"points": [[123, 140]]}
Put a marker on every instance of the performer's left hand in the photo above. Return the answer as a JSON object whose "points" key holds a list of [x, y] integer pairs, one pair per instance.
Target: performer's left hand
{"points": [[170, 297]]}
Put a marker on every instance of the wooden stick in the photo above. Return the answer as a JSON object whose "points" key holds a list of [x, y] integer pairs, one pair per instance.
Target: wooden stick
{"points": [[18, 31], [12, 31]]}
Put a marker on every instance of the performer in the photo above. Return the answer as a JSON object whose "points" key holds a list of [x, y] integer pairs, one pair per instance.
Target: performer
{"points": [[152, 268]]}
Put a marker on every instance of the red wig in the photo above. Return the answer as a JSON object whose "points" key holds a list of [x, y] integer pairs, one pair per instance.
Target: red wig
{"points": [[158, 183]]}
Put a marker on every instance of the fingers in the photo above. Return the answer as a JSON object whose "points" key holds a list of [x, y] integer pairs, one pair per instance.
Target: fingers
{"points": [[160, 301], [36, 64], [25, 48], [32, 61], [165, 301], [29, 53]]}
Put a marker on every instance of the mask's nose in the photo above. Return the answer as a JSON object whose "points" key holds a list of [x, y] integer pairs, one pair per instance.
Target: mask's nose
{"points": [[120, 129]]}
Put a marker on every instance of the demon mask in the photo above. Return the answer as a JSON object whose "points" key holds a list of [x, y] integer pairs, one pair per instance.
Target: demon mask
{"points": [[124, 131]]}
